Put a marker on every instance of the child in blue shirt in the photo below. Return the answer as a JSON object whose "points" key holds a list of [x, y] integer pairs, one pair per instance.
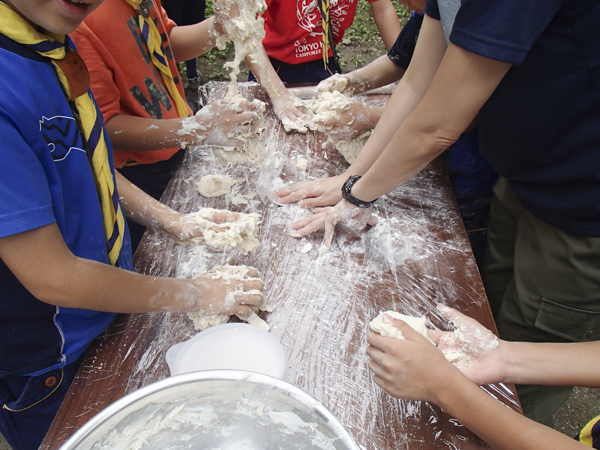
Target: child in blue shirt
{"points": [[65, 254]]}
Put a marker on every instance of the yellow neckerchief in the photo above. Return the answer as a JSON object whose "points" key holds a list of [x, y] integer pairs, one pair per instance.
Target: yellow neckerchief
{"points": [[74, 79], [154, 42], [327, 31]]}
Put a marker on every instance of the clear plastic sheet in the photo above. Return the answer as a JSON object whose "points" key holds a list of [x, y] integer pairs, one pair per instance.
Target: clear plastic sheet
{"points": [[416, 256]]}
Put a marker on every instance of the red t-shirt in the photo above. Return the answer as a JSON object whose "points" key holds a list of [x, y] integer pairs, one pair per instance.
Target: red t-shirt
{"points": [[294, 32], [123, 78]]}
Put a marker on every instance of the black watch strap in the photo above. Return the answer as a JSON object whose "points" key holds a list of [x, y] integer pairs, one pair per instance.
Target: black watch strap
{"points": [[347, 189]]}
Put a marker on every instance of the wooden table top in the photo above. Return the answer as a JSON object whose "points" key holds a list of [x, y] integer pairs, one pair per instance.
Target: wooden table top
{"points": [[416, 256]]}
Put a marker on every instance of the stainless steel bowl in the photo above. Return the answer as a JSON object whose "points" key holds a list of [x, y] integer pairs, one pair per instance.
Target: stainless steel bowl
{"points": [[215, 409]]}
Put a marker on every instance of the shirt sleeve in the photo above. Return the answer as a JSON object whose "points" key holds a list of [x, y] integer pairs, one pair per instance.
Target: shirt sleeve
{"points": [[25, 194], [504, 30], [100, 64], [403, 49], [166, 20], [432, 10]]}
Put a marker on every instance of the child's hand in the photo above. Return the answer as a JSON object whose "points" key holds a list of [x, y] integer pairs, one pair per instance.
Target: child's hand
{"points": [[344, 212], [412, 369], [481, 351], [222, 126], [289, 107], [183, 228], [225, 295], [341, 83], [353, 122], [323, 192]]}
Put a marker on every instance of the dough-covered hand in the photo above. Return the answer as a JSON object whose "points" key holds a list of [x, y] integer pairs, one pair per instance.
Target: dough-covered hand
{"points": [[351, 123], [223, 126], [183, 227], [353, 218], [224, 10], [412, 368], [346, 84], [288, 106], [484, 362], [310, 194], [228, 295]]}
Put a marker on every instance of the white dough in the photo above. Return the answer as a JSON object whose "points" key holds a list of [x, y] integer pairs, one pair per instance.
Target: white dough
{"points": [[350, 149], [302, 164], [307, 248], [246, 31], [252, 150], [216, 185], [387, 329], [231, 274], [331, 104], [243, 233]]}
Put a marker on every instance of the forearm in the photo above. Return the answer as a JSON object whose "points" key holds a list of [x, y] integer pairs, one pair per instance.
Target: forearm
{"points": [[500, 426], [410, 91], [130, 133], [399, 107], [380, 72], [571, 364], [143, 209], [43, 263], [460, 87], [270, 81], [386, 20], [100, 287], [191, 41]]}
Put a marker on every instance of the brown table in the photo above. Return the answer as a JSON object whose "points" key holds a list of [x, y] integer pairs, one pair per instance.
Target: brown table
{"points": [[416, 256]]}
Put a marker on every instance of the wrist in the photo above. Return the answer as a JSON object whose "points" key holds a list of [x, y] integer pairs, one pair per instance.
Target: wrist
{"points": [[448, 398], [348, 196], [512, 363]]}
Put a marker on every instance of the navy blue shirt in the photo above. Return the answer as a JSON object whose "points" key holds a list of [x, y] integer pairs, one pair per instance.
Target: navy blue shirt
{"points": [[402, 51], [541, 127]]}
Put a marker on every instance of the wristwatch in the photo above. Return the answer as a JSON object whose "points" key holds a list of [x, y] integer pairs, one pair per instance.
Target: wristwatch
{"points": [[347, 189]]}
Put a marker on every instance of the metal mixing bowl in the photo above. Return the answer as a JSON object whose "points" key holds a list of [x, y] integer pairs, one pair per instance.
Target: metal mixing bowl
{"points": [[215, 409]]}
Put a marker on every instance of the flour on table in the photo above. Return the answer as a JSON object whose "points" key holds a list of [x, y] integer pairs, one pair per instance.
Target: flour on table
{"points": [[243, 233], [232, 274], [240, 199]]}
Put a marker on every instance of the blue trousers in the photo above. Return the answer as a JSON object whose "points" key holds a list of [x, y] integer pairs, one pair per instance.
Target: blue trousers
{"points": [[29, 404]]}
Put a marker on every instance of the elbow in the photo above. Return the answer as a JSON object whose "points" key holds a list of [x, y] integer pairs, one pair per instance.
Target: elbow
{"points": [[434, 141], [56, 288]]}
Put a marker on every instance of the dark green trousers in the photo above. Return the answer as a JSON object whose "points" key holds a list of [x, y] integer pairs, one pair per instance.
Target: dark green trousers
{"points": [[543, 286]]}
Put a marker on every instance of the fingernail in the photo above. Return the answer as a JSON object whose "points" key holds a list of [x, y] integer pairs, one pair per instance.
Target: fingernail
{"points": [[386, 318]]}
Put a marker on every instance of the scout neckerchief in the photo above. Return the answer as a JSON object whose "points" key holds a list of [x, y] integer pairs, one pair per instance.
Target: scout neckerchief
{"points": [[154, 42], [328, 38], [74, 79]]}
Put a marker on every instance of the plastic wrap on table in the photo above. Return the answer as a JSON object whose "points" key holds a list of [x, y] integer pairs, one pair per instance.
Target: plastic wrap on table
{"points": [[418, 255]]}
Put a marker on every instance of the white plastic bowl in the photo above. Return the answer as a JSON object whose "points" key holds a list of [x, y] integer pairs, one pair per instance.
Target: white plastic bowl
{"points": [[236, 346]]}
